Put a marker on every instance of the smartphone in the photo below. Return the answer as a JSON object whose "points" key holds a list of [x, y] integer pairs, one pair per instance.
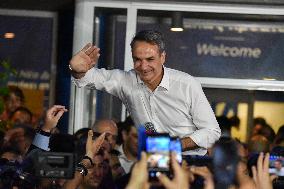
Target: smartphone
{"points": [[175, 146], [158, 154], [276, 164]]}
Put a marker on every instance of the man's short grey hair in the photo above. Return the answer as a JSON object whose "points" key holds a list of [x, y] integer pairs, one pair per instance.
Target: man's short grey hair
{"points": [[150, 36]]}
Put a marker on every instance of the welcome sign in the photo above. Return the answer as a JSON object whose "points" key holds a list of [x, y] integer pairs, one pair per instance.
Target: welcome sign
{"points": [[225, 48]]}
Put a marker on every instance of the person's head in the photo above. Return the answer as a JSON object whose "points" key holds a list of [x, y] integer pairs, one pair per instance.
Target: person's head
{"points": [[27, 134], [21, 115], [278, 164], [148, 53], [258, 123], [116, 169], [130, 137], [109, 127], [14, 99], [268, 132], [11, 153], [226, 159], [95, 174], [225, 125], [258, 143]]}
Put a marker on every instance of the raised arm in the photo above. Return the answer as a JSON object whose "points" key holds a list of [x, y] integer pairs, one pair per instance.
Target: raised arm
{"points": [[84, 60]]}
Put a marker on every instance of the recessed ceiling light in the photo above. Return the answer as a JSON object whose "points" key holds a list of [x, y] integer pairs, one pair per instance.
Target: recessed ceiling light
{"points": [[9, 35]]}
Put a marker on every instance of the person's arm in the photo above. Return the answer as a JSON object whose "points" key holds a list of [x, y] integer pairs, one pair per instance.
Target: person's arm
{"points": [[207, 129], [188, 144], [84, 60], [261, 172], [41, 139]]}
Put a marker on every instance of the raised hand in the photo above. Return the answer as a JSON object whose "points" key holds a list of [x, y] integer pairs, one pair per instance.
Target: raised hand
{"points": [[206, 174], [261, 172], [84, 60], [93, 146], [180, 180], [53, 115], [139, 175]]}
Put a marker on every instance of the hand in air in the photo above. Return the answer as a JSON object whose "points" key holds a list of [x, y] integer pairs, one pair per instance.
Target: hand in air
{"points": [[85, 59]]}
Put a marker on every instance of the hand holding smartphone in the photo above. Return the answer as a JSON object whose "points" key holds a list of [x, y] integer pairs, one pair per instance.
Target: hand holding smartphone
{"points": [[158, 150]]}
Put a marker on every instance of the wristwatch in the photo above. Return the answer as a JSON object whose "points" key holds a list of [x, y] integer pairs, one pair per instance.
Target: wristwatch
{"points": [[82, 169]]}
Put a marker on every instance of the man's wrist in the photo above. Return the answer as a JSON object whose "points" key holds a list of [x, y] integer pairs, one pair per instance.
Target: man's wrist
{"points": [[76, 74], [187, 144], [44, 132]]}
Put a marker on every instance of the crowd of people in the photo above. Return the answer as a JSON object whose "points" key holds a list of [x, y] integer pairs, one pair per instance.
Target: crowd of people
{"points": [[108, 152], [162, 100]]}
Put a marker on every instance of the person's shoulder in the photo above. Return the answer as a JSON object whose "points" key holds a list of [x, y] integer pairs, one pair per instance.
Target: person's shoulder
{"points": [[179, 75]]}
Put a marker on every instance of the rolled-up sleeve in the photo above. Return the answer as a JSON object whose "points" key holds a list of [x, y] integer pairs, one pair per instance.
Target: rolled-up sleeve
{"points": [[208, 130]]}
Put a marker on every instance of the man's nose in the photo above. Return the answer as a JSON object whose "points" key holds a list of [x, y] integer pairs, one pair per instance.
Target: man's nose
{"points": [[144, 64]]}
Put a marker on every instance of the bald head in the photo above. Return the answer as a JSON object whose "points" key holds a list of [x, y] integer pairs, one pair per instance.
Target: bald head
{"points": [[107, 126]]}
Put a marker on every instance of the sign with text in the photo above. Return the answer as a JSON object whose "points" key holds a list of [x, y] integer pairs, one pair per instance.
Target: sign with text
{"points": [[225, 49]]}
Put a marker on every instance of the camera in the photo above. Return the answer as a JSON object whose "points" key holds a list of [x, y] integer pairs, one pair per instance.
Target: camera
{"points": [[13, 174], [55, 165]]}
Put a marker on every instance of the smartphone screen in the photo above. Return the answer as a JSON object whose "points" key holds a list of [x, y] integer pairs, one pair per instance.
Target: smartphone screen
{"points": [[175, 146], [276, 165], [158, 154]]}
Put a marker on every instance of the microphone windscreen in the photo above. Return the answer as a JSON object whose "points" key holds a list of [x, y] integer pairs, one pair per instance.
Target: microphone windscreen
{"points": [[149, 127]]}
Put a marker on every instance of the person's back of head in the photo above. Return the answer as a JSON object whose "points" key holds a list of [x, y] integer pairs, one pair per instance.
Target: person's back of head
{"points": [[235, 121], [225, 162], [258, 143], [225, 125], [268, 132], [279, 138]]}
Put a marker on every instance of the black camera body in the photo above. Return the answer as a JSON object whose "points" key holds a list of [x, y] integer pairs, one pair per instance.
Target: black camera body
{"points": [[55, 165], [13, 173]]}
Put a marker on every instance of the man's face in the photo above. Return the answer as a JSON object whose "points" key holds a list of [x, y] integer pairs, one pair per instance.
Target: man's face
{"points": [[148, 62], [20, 117], [110, 128], [131, 141], [116, 168], [13, 102], [95, 174], [278, 165]]}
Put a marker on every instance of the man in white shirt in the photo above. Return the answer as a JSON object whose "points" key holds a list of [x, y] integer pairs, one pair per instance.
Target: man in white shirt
{"points": [[172, 100]]}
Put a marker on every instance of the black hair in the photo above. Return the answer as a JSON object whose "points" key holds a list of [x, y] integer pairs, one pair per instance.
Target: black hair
{"points": [[124, 126], [22, 109], [15, 90], [150, 36], [225, 162], [62, 143]]}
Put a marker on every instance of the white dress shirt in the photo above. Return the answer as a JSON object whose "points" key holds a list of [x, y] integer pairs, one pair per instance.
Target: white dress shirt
{"points": [[177, 106]]}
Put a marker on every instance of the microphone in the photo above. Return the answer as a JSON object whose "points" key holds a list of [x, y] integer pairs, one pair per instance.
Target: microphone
{"points": [[149, 127]]}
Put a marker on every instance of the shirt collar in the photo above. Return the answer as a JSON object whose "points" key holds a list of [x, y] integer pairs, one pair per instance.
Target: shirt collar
{"points": [[165, 80]]}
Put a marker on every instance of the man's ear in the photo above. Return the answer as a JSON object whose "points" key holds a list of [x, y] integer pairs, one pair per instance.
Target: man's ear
{"points": [[124, 135], [163, 57]]}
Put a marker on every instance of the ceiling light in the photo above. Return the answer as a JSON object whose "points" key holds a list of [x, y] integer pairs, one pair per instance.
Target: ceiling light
{"points": [[9, 35], [177, 21]]}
